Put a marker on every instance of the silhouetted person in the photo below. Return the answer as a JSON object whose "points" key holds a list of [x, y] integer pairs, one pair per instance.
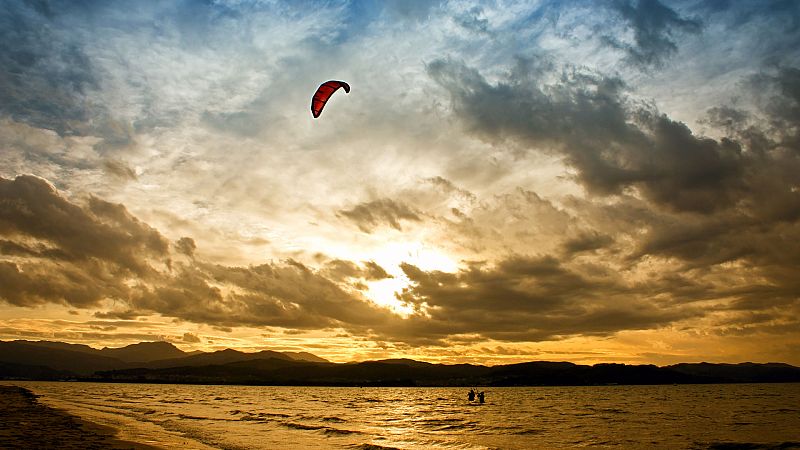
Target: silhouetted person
{"points": [[471, 395], [480, 396]]}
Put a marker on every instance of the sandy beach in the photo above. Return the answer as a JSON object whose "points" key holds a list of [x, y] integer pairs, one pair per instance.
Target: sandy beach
{"points": [[28, 424]]}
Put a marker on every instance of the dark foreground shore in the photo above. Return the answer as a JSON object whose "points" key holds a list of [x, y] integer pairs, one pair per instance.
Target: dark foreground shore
{"points": [[28, 424]]}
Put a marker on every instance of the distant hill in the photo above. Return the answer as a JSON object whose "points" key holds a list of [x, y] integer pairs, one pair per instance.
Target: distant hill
{"points": [[305, 356], [215, 358], [141, 352], [739, 373], [61, 346], [144, 352], [78, 359], [275, 371], [77, 362], [145, 362]]}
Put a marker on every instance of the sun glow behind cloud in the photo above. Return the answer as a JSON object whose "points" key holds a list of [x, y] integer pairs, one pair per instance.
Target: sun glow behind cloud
{"points": [[390, 257]]}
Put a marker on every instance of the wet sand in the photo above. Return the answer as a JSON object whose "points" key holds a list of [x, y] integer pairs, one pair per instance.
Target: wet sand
{"points": [[28, 424]]}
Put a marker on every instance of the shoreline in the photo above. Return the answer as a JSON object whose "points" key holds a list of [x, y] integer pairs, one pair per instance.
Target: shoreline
{"points": [[27, 423]]}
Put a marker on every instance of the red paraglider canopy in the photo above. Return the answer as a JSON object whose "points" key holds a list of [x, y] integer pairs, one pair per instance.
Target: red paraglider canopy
{"points": [[324, 92]]}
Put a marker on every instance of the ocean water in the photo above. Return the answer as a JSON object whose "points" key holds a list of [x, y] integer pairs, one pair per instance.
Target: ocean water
{"points": [[247, 417]]}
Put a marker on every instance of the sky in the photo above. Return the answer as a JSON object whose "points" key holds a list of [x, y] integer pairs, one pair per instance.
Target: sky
{"points": [[507, 181]]}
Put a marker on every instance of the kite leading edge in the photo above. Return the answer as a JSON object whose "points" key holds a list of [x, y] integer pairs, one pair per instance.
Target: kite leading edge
{"points": [[324, 92]]}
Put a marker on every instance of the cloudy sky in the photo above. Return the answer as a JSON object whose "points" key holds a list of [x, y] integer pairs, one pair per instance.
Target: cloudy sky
{"points": [[507, 181]]}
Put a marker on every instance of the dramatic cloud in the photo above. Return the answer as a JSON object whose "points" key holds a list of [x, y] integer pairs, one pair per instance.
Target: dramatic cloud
{"points": [[524, 298], [517, 298], [368, 216], [653, 25], [583, 179], [338, 269], [45, 75], [186, 246], [612, 142], [68, 253], [191, 338], [56, 251]]}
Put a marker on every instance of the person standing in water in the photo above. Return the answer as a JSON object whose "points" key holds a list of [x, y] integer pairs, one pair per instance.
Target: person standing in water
{"points": [[471, 395], [480, 397]]}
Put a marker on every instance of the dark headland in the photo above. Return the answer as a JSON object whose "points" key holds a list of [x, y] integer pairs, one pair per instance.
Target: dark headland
{"points": [[161, 362]]}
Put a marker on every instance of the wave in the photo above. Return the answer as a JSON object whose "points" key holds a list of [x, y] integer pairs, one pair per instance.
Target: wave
{"points": [[339, 431], [189, 417], [464, 426], [259, 417], [609, 410], [302, 426], [333, 419], [529, 431], [372, 447], [280, 415]]}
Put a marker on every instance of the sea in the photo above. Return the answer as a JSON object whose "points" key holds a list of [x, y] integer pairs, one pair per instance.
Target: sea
{"points": [[718, 416]]}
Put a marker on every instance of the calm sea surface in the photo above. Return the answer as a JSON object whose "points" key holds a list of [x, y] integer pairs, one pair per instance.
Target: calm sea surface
{"points": [[244, 417]]}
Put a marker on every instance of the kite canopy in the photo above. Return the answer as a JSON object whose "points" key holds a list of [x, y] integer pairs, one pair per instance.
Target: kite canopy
{"points": [[324, 92]]}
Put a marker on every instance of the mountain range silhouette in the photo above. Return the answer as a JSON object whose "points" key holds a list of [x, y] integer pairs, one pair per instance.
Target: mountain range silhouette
{"points": [[162, 362]]}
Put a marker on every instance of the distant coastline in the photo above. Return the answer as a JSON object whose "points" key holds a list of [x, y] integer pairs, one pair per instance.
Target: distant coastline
{"points": [[160, 362]]}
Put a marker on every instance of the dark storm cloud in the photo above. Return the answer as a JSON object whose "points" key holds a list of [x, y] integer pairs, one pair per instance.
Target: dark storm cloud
{"points": [[120, 170], [448, 187], [190, 338], [611, 141], [587, 242], [726, 118], [654, 27], [526, 298], [781, 100], [286, 295], [372, 271], [185, 246], [37, 284], [516, 299], [61, 252], [30, 207], [761, 235], [339, 270], [56, 251], [724, 212], [736, 258], [371, 215], [104, 253], [293, 295]]}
